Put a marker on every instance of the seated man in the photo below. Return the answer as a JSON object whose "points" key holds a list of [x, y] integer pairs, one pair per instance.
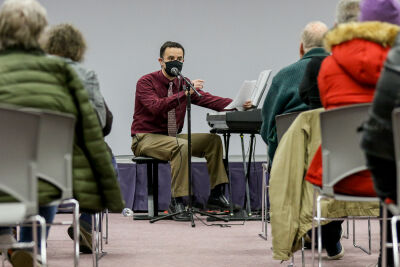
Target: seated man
{"points": [[346, 11], [283, 96], [160, 107]]}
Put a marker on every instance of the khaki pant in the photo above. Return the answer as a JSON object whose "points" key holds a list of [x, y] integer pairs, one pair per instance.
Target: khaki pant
{"points": [[175, 150]]}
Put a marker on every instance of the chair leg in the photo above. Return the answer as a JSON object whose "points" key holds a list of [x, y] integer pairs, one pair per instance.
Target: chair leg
{"points": [[313, 228], [35, 240], [43, 251], [155, 189], [319, 198], [369, 237], [95, 239], [347, 235], [303, 259], [291, 264], [264, 226], [150, 196], [75, 224], [384, 234], [106, 237], [395, 241], [77, 233], [101, 216]]}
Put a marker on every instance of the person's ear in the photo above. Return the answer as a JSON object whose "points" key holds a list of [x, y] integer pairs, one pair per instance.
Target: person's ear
{"points": [[161, 61], [301, 50]]}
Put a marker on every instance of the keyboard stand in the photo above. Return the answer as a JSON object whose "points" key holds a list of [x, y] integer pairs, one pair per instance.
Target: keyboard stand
{"points": [[247, 215]]}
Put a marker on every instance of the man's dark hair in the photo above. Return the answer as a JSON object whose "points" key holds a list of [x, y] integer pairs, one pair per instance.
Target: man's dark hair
{"points": [[170, 44]]}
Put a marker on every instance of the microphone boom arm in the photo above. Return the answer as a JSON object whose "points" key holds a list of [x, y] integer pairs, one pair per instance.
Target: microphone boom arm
{"points": [[190, 84]]}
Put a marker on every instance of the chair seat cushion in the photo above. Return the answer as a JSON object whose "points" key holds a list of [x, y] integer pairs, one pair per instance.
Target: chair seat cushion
{"points": [[143, 160]]}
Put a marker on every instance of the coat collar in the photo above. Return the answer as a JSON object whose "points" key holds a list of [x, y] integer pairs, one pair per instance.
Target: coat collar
{"points": [[18, 49], [318, 51], [379, 32], [164, 80]]}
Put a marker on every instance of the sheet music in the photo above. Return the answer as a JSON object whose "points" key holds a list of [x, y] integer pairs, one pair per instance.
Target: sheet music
{"points": [[260, 86], [244, 94]]}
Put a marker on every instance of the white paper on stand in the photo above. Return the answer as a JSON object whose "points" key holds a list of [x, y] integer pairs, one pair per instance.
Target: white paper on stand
{"points": [[260, 87], [244, 94]]}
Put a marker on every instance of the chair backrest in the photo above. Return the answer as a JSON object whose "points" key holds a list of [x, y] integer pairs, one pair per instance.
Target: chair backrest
{"points": [[56, 139], [283, 123], [340, 142], [18, 145], [396, 140]]}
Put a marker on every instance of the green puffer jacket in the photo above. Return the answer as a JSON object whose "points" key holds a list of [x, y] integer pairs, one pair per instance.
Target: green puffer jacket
{"points": [[32, 79]]}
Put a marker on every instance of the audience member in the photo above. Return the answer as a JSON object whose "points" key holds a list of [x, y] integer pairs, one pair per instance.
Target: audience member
{"points": [[66, 41], [299, 144], [160, 108], [350, 74], [283, 96], [53, 85], [377, 139], [346, 11]]}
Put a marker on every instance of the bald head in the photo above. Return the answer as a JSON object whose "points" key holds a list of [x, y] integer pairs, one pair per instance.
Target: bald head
{"points": [[312, 36]]}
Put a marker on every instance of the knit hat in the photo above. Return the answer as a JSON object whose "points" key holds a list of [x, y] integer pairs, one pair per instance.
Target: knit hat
{"points": [[380, 10]]}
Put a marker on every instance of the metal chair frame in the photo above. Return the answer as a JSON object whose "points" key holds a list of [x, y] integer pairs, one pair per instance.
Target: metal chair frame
{"points": [[19, 145], [55, 148], [337, 167], [283, 123]]}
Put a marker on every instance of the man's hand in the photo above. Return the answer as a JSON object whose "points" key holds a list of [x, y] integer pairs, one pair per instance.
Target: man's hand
{"points": [[191, 92], [198, 84], [247, 104]]}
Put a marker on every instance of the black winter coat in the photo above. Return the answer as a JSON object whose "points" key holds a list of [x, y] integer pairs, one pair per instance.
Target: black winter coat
{"points": [[377, 139]]}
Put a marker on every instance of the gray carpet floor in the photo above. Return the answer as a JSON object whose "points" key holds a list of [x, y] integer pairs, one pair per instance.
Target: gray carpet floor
{"points": [[170, 243]]}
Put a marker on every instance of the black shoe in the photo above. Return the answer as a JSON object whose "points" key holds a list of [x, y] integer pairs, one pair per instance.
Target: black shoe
{"points": [[173, 207], [85, 239], [24, 258], [220, 203]]}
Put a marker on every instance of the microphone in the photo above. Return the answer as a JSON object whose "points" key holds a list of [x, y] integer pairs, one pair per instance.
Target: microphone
{"points": [[175, 71]]}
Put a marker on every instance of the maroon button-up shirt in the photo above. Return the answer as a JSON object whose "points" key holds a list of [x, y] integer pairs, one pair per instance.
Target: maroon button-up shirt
{"points": [[152, 103]]}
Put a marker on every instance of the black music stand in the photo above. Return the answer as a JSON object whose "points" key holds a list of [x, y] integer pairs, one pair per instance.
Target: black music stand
{"points": [[190, 209], [245, 127]]}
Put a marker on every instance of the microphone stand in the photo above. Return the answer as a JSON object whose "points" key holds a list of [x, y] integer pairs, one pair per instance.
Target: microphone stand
{"points": [[190, 209]]}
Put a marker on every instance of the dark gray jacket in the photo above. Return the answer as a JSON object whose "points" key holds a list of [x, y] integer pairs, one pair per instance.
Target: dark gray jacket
{"points": [[377, 136]]}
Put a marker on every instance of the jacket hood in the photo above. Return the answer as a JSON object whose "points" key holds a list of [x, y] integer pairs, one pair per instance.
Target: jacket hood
{"points": [[360, 48], [379, 32]]}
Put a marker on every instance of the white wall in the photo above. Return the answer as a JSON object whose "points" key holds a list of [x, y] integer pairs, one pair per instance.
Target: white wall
{"points": [[226, 42]]}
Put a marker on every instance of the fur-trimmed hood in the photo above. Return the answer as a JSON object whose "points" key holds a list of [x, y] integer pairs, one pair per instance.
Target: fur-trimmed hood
{"points": [[360, 48], [379, 32]]}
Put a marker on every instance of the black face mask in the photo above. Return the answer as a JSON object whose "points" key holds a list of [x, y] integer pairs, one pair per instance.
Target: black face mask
{"points": [[173, 64]]}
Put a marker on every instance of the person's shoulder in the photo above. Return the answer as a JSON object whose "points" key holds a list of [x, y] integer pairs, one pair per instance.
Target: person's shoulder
{"points": [[147, 80], [288, 70], [149, 76]]}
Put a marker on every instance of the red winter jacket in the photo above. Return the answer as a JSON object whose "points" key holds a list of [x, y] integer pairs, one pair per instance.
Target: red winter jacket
{"points": [[349, 77]]}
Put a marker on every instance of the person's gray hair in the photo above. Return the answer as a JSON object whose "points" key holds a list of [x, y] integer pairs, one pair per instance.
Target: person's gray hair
{"points": [[21, 23], [313, 35], [347, 11]]}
